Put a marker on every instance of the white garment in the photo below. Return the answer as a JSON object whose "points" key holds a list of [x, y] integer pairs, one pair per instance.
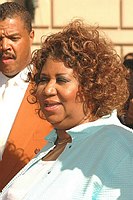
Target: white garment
{"points": [[12, 91]]}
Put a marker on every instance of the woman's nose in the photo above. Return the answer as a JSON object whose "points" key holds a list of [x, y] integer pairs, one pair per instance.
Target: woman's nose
{"points": [[50, 89]]}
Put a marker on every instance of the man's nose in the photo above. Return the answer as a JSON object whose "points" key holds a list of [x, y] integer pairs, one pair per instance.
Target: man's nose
{"points": [[5, 44]]}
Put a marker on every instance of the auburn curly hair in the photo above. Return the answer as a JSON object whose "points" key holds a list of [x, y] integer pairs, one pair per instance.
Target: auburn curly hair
{"points": [[98, 68]]}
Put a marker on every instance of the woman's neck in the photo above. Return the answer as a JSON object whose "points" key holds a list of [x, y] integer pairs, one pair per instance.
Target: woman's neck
{"points": [[62, 137], [62, 134]]}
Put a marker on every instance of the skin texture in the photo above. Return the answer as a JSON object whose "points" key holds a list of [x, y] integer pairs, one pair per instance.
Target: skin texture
{"points": [[15, 46], [57, 95]]}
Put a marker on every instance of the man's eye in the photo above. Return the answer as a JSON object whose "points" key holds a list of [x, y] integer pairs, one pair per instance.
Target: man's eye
{"points": [[14, 39]]}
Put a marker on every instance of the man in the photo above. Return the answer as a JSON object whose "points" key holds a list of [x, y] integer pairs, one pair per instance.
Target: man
{"points": [[128, 62], [22, 132], [127, 118]]}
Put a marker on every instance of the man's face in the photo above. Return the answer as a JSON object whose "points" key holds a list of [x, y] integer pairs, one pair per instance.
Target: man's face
{"points": [[131, 83], [15, 46]]}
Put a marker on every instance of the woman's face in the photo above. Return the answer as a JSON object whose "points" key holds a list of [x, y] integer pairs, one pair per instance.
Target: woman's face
{"points": [[57, 96]]}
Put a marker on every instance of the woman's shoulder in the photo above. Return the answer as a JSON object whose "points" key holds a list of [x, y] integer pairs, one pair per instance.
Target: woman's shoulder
{"points": [[120, 137]]}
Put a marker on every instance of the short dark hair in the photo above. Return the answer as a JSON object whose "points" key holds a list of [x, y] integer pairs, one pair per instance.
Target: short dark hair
{"points": [[127, 55], [12, 10], [128, 61]]}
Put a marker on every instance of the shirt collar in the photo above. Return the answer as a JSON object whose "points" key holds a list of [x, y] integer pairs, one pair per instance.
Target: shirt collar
{"points": [[3, 79], [19, 80], [88, 128]]}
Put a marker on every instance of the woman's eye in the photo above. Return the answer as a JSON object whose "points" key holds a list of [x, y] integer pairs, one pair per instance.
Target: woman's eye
{"points": [[43, 80], [62, 80]]}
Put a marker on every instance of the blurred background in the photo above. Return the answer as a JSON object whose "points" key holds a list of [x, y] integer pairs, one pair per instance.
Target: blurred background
{"points": [[114, 17]]}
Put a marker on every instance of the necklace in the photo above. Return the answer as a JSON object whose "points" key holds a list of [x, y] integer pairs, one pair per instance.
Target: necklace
{"points": [[57, 150], [60, 142]]}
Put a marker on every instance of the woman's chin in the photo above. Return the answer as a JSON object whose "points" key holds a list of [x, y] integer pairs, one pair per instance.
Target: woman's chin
{"points": [[54, 122], [57, 124]]}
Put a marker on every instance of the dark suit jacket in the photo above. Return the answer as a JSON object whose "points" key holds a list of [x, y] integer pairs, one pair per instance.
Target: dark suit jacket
{"points": [[25, 140]]}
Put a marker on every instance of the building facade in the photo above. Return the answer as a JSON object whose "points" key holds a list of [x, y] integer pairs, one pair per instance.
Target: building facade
{"points": [[114, 17]]}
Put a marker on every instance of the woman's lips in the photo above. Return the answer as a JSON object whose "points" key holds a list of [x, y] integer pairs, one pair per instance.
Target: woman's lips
{"points": [[51, 106]]}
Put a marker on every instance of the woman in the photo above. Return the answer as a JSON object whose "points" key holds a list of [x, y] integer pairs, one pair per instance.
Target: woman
{"points": [[80, 83]]}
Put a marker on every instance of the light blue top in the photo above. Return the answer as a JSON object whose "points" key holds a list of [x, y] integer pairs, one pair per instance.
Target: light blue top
{"points": [[97, 165]]}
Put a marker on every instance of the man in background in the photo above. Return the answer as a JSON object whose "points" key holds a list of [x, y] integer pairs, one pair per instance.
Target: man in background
{"points": [[22, 131], [128, 62], [127, 117]]}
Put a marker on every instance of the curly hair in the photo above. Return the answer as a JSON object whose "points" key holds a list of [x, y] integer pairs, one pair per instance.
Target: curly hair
{"points": [[12, 10], [98, 68]]}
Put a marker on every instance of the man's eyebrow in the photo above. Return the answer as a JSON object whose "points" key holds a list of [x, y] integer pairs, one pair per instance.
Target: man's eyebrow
{"points": [[10, 36], [14, 34]]}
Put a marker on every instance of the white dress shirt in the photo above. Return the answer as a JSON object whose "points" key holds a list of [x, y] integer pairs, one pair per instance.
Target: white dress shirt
{"points": [[12, 91]]}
